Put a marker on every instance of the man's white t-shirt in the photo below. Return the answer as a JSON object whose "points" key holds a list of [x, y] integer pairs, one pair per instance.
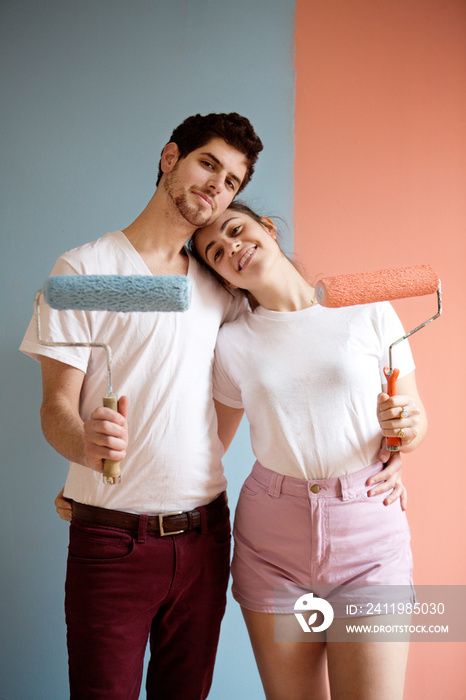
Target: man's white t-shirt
{"points": [[163, 362], [308, 381]]}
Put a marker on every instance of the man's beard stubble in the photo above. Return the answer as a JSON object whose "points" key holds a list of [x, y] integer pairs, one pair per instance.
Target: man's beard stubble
{"points": [[194, 214]]}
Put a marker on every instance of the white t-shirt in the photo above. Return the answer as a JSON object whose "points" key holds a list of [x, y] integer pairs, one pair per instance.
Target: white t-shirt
{"points": [[163, 363], [308, 381]]}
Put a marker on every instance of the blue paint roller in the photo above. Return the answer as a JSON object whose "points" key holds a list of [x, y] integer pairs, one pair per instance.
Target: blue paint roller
{"points": [[120, 293]]}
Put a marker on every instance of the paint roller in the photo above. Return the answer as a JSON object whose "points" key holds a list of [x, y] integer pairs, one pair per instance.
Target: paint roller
{"points": [[382, 285], [121, 293]]}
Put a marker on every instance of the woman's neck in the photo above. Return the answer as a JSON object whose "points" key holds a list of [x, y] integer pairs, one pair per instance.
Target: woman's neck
{"points": [[286, 290]]}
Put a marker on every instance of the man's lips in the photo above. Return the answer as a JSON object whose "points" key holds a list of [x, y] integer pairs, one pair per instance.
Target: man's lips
{"points": [[245, 257], [204, 198]]}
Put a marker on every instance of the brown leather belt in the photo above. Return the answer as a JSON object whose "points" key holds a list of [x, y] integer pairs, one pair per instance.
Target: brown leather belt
{"points": [[165, 524]]}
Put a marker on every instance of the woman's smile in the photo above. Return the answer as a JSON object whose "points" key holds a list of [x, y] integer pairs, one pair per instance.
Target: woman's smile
{"points": [[245, 257]]}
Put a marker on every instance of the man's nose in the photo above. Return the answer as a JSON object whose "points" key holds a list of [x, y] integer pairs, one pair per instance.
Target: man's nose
{"points": [[215, 183]]}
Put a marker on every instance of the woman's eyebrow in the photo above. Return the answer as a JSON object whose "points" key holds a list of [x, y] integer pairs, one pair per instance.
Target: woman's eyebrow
{"points": [[226, 222], [209, 246], [222, 228]]}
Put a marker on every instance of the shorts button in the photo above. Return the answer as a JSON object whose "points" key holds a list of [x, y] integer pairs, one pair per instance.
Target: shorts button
{"points": [[315, 488]]}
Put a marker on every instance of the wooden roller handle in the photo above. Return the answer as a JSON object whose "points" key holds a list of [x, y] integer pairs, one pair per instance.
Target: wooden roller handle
{"points": [[393, 443], [111, 471]]}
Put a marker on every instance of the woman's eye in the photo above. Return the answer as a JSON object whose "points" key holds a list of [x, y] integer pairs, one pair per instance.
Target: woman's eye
{"points": [[235, 231], [217, 254]]}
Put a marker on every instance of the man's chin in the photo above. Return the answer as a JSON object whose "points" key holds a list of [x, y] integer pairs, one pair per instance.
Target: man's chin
{"points": [[196, 216], [199, 219]]}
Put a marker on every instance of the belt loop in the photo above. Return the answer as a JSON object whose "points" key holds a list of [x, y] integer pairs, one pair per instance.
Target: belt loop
{"points": [[347, 492], [204, 521], [142, 528], [275, 487]]}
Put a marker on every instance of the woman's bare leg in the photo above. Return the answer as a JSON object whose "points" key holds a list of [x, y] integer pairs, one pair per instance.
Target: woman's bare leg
{"points": [[366, 670], [289, 670]]}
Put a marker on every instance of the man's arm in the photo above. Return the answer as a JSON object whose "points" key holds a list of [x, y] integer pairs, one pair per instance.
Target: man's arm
{"points": [[103, 436], [228, 422]]}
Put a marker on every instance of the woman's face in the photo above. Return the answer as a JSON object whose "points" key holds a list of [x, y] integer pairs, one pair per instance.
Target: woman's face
{"points": [[238, 248]]}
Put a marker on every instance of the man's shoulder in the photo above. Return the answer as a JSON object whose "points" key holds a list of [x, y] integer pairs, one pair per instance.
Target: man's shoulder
{"points": [[94, 254]]}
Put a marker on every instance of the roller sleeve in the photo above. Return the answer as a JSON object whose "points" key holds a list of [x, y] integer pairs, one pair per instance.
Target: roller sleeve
{"points": [[380, 285]]}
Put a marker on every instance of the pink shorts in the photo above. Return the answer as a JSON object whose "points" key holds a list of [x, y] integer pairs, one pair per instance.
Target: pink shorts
{"points": [[325, 536]]}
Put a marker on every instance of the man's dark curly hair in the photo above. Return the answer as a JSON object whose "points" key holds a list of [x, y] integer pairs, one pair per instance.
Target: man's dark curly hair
{"points": [[236, 130]]}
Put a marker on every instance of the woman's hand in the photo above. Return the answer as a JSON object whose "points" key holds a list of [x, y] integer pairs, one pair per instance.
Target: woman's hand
{"points": [[399, 416], [403, 415], [389, 479], [63, 507]]}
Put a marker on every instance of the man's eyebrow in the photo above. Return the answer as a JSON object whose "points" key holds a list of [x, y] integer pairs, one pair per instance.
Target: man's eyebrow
{"points": [[216, 160], [222, 228]]}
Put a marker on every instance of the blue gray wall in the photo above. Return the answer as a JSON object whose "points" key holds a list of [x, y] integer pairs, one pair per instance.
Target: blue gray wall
{"points": [[90, 93]]}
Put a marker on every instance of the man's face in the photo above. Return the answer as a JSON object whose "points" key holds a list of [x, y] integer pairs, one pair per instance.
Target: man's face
{"points": [[203, 184]]}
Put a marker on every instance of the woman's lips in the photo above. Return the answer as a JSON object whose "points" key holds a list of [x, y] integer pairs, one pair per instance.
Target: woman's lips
{"points": [[246, 257]]}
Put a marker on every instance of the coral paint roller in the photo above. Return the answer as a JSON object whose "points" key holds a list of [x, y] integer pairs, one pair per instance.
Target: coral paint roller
{"points": [[121, 293], [382, 285]]}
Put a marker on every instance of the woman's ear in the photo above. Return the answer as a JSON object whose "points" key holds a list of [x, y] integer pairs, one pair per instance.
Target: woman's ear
{"points": [[269, 226], [170, 156]]}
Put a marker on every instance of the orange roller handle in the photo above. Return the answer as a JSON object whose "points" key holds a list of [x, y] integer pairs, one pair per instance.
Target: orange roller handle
{"points": [[393, 443]]}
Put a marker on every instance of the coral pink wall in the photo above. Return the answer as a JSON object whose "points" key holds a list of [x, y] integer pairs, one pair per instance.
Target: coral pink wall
{"points": [[380, 181]]}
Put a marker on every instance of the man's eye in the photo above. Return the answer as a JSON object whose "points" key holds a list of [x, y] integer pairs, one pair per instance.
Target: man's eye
{"points": [[207, 164], [231, 184]]}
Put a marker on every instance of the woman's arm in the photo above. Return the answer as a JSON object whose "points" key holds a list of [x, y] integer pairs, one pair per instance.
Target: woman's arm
{"points": [[228, 420], [413, 422]]}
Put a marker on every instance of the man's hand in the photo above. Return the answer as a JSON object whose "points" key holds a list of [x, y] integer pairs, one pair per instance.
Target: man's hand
{"points": [[389, 479], [63, 507], [106, 435]]}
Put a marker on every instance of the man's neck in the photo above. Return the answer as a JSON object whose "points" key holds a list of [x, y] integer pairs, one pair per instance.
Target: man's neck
{"points": [[159, 236]]}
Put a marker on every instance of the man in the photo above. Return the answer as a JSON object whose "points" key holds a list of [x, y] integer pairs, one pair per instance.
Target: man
{"points": [[128, 577], [126, 581]]}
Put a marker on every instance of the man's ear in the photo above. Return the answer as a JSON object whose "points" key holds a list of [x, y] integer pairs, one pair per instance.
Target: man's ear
{"points": [[270, 226], [170, 157]]}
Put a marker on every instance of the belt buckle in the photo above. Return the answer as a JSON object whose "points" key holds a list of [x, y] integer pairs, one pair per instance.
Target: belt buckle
{"points": [[166, 515]]}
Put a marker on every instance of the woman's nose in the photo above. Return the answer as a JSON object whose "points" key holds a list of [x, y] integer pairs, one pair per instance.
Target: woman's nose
{"points": [[234, 246]]}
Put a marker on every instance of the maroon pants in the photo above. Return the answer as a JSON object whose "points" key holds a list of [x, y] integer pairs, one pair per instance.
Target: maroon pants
{"points": [[122, 590]]}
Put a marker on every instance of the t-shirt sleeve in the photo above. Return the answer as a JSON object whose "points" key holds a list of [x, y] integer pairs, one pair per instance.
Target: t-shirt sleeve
{"points": [[237, 306], [226, 390], [391, 329], [59, 327]]}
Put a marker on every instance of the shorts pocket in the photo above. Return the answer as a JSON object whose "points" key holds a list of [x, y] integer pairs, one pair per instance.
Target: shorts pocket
{"points": [[98, 544], [252, 488], [379, 499]]}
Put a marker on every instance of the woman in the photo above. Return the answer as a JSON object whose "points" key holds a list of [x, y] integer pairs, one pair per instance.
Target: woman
{"points": [[309, 380]]}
